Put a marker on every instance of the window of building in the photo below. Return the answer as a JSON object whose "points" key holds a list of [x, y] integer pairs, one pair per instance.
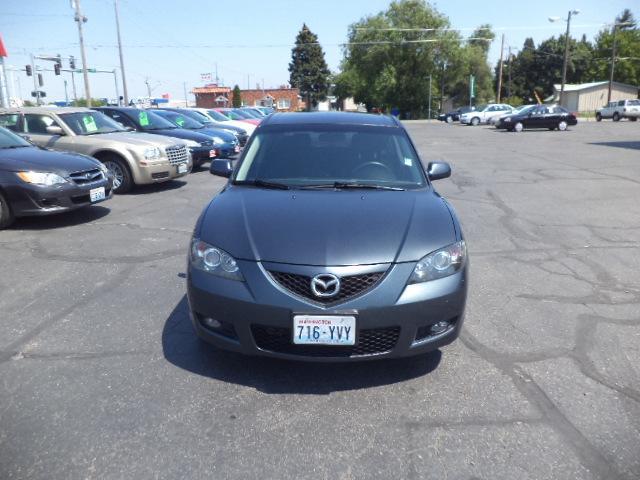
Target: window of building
{"points": [[284, 103]]}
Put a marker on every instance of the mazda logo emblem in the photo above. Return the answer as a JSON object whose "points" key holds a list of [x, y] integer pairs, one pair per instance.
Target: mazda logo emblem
{"points": [[325, 285]]}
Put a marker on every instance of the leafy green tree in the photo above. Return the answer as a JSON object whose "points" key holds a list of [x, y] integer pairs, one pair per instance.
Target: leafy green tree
{"points": [[308, 69], [627, 67], [82, 102], [237, 97], [387, 66]]}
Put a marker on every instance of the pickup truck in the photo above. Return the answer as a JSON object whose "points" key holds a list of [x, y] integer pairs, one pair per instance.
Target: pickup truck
{"points": [[621, 109]]}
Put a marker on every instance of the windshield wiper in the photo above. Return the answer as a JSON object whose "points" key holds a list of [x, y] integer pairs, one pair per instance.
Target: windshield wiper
{"points": [[352, 185], [263, 183], [17, 146]]}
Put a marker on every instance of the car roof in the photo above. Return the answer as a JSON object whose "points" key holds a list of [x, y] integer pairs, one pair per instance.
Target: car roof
{"points": [[330, 118], [57, 110]]}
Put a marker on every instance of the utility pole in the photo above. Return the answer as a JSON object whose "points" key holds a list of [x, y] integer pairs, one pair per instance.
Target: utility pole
{"points": [[66, 94], [217, 74], [509, 81], [498, 94], [146, 81], [36, 88], [613, 62], [115, 80], [429, 107], [124, 78], [80, 19], [186, 99], [566, 50], [73, 86]]}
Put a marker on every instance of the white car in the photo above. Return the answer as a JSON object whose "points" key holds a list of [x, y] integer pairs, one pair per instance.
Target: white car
{"points": [[484, 113], [218, 117], [621, 109]]}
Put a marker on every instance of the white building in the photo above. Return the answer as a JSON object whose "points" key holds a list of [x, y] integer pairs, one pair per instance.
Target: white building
{"points": [[588, 97]]}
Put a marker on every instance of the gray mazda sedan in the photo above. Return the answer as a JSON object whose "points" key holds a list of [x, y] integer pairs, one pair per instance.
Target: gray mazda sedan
{"points": [[328, 243]]}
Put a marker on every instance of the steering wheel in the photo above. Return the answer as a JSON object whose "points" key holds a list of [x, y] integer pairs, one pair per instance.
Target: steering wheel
{"points": [[388, 173]]}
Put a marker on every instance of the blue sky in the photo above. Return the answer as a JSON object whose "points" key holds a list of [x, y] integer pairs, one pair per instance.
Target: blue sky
{"points": [[172, 42]]}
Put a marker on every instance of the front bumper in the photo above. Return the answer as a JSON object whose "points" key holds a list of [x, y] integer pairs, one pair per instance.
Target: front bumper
{"points": [[392, 320], [30, 200], [159, 172]]}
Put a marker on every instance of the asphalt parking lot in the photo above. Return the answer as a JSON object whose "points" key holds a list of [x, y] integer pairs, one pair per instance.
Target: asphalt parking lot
{"points": [[102, 377]]}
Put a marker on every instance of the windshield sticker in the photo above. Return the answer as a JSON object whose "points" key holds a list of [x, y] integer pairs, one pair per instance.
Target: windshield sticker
{"points": [[180, 121], [144, 119], [408, 162], [89, 124]]}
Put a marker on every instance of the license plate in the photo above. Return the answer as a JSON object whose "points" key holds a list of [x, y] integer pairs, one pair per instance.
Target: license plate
{"points": [[324, 330], [212, 154], [236, 149], [182, 168], [97, 194]]}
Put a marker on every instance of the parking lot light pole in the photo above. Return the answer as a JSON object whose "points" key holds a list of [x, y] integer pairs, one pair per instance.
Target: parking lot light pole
{"points": [[124, 78], [566, 50], [80, 19]]}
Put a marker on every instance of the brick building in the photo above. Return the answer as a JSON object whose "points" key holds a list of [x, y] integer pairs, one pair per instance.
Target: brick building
{"points": [[282, 99]]}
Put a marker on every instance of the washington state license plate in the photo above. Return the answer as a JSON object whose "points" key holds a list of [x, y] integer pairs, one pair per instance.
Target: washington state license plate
{"points": [[324, 330], [97, 194]]}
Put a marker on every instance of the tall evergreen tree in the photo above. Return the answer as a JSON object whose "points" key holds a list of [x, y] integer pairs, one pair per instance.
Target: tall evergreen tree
{"points": [[237, 97], [308, 69]]}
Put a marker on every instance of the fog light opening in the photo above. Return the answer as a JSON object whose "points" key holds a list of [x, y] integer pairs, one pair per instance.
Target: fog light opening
{"points": [[211, 322], [438, 328]]}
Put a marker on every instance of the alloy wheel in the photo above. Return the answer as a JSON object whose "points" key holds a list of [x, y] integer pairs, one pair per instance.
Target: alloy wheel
{"points": [[562, 126], [116, 171]]}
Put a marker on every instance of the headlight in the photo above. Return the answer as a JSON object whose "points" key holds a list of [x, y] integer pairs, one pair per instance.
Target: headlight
{"points": [[103, 169], [508, 119], [214, 260], [152, 153], [441, 263], [217, 141], [41, 178]]}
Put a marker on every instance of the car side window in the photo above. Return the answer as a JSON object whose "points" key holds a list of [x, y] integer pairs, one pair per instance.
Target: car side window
{"points": [[11, 121], [621, 103], [38, 124]]}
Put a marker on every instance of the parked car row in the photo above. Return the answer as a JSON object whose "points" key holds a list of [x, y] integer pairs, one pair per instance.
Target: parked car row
{"points": [[54, 160]]}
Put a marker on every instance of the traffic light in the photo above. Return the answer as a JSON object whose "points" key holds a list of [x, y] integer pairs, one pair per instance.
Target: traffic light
{"points": [[40, 80], [58, 65], [72, 63], [56, 69], [28, 70]]}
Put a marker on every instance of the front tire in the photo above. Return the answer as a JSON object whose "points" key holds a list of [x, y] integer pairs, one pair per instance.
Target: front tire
{"points": [[616, 117], [6, 215], [598, 117], [562, 126], [475, 121], [518, 127], [122, 179], [633, 119]]}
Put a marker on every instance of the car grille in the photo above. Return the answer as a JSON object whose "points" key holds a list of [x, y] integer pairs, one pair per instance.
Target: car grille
{"points": [[86, 176], [177, 154], [350, 286], [370, 342]]}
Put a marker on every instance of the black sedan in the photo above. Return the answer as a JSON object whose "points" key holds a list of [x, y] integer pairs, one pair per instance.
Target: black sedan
{"points": [[34, 181], [538, 116], [148, 122], [240, 133], [454, 115]]}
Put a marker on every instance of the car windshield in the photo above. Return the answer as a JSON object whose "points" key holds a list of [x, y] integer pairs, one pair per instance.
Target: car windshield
{"points": [[252, 113], [527, 109], [196, 116], [218, 116], [332, 156], [480, 108], [11, 140], [467, 109], [181, 121], [240, 114], [147, 120], [90, 123]]}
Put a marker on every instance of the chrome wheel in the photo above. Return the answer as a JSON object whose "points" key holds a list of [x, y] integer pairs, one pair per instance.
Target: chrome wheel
{"points": [[116, 170], [562, 126], [518, 127]]}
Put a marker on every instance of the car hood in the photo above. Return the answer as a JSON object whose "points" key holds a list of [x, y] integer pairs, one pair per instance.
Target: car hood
{"points": [[320, 227], [216, 132], [36, 159], [182, 134], [131, 138]]}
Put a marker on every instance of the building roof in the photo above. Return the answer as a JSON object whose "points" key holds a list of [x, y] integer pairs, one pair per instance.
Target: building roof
{"points": [[573, 87], [330, 118], [215, 89]]}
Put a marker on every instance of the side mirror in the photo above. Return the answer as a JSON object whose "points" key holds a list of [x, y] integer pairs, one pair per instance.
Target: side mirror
{"points": [[55, 130], [438, 170], [221, 168]]}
